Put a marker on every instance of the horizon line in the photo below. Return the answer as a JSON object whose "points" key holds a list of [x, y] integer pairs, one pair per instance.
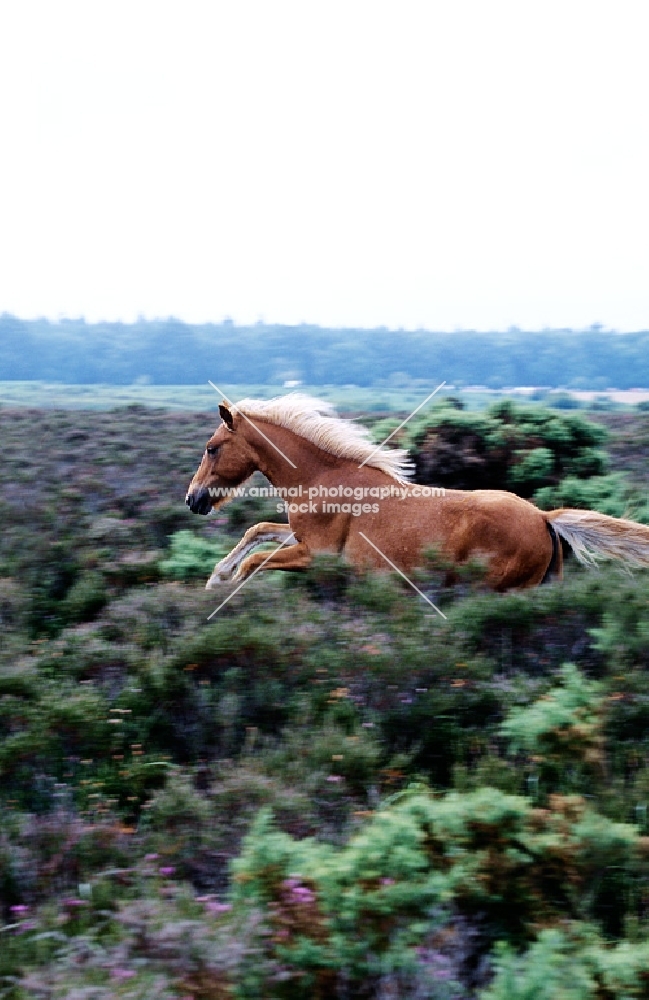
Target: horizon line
{"points": [[229, 322]]}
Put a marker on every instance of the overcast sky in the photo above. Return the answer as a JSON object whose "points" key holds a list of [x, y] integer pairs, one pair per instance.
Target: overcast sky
{"points": [[433, 164]]}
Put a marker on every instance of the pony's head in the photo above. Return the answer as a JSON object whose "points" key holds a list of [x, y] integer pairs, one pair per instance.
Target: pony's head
{"points": [[227, 462]]}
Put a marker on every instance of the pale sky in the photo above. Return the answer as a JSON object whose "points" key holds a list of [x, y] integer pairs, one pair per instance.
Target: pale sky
{"points": [[434, 164]]}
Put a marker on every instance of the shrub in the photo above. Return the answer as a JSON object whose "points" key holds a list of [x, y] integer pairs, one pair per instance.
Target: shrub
{"points": [[571, 963], [607, 494], [85, 598], [352, 913], [564, 727], [511, 446], [192, 556]]}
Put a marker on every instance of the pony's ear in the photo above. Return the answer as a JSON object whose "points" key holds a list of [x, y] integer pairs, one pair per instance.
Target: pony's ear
{"points": [[226, 416]]}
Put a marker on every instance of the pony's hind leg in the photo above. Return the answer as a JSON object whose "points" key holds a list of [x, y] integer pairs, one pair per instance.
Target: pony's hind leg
{"points": [[266, 531]]}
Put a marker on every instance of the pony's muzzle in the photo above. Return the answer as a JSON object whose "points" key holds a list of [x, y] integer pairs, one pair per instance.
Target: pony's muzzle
{"points": [[199, 501]]}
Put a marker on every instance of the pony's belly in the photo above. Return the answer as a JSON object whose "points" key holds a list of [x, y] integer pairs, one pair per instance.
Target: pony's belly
{"points": [[505, 532]]}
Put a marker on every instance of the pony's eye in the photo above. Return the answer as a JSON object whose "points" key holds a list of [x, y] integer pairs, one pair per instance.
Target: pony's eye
{"points": [[212, 450]]}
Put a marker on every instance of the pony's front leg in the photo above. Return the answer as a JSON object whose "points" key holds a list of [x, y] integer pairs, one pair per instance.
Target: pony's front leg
{"points": [[266, 531], [295, 556]]}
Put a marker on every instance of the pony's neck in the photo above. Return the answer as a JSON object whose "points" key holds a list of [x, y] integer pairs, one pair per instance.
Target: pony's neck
{"points": [[293, 460]]}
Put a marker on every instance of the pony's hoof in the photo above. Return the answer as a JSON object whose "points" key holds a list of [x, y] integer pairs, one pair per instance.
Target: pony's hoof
{"points": [[218, 577], [239, 575]]}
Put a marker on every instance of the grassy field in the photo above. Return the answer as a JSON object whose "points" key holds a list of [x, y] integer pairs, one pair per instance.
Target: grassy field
{"points": [[193, 398], [349, 399]]}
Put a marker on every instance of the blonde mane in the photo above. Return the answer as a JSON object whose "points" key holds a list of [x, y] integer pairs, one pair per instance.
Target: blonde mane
{"points": [[317, 422]]}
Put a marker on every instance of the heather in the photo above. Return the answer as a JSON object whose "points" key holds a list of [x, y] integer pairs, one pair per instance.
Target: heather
{"points": [[325, 790]]}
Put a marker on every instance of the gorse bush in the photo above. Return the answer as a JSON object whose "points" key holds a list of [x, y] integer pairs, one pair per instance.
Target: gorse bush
{"points": [[191, 557], [352, 914], [564, 729], [572, 963], [608, 494], [510, 446]]}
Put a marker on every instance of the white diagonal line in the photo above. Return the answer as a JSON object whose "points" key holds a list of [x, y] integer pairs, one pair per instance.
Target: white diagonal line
{"points": [[390, 563], [244, 582], [402, 424], [279, 450]]}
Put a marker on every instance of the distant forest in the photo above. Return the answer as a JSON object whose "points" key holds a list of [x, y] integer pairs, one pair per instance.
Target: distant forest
{"points": [[169, 352]]}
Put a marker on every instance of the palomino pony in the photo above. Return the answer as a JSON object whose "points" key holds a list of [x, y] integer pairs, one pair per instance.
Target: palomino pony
{"points": [[345, 496]]}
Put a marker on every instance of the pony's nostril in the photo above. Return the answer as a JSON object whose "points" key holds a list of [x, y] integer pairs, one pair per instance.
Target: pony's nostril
{"points": [[198, 501]]}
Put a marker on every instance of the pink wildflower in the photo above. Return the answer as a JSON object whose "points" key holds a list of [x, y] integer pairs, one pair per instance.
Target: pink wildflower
{"points": [[122, 973], [216, 908]]}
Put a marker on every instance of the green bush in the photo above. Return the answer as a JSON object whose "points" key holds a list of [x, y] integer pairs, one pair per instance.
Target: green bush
{"points": [[607, 494], [85, 598], [512, 446], [350, 914], [564, 727], [571, 964], [192, 556]]}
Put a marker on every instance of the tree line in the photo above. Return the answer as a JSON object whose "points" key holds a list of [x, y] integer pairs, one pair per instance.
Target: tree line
{"points": [[172, 352]]}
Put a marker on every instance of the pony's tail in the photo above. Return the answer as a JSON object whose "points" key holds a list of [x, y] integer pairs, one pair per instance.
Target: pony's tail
{"points": [[593, 536]]}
